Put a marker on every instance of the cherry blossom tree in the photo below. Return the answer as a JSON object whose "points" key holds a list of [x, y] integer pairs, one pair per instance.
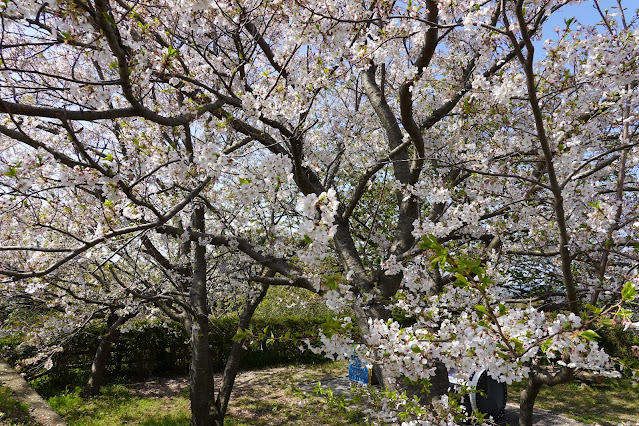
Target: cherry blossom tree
{"points": [[409, 157]]}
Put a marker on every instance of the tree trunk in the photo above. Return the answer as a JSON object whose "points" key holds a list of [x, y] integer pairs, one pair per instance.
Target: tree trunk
{"points": [[202, 392], [538, 377], [527, 401], [200, 375], [92, 388], [236, 355]]}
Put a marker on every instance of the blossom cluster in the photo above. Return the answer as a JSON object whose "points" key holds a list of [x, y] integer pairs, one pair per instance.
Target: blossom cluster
{"points": [[318, 216]]}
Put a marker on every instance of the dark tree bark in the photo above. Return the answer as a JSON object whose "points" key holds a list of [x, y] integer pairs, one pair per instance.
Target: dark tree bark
{"points": [[236, 355], [536, 380], [92, 388], [206, 407], [202, 392], [527, 401]]}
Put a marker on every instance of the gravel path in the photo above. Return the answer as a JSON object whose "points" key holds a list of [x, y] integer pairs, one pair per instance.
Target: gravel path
{"points": [[38, 407]]}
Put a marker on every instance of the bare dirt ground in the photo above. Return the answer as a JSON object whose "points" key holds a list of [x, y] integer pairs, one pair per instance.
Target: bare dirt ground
{"points": [[266, 390], [160, 386], [246, 382], [264, 397]]}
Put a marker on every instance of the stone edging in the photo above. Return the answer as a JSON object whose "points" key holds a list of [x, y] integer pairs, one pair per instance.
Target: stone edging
{"points": [[39, 410]]}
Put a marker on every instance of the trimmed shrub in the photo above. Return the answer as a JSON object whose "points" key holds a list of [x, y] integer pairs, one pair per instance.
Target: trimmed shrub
{"points": [[163, 348]]}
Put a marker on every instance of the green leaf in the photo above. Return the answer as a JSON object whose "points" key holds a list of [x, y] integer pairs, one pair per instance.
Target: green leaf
{"points": [[331, 326], [482, 309], [429, 242], [461, 280], [519, 345], [624, 313], [590, 335], [109, 19], [241, 335], [629, 291], [441, 259], [13, 172], [502, 309], [503, 356], [332, 281], [595, 310], [416, 349]]}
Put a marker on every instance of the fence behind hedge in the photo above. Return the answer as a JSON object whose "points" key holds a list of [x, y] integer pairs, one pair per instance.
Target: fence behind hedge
{"points": [[152, 349], [164, 347]]}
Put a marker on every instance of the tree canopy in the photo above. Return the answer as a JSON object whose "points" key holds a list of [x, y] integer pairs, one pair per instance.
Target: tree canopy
{"points": [[425, 158]]}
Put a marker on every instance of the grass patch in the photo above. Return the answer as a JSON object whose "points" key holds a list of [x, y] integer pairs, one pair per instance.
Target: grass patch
{"points": [[12, 411], [260, 398], [117, 405], [273, 397], [608, 403], [59, 381]]}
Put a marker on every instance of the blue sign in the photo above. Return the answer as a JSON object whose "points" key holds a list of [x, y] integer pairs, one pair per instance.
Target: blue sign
{"points": [[357, 372]]}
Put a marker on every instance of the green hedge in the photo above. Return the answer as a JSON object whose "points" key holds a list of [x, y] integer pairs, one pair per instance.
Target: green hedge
{"points": [[151, 349]]}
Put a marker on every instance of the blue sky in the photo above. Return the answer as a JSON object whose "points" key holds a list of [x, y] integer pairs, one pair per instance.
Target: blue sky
{"points": [[584, 12]]}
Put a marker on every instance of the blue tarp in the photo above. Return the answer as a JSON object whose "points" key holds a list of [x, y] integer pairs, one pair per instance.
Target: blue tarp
{"points": [[357, 372]]}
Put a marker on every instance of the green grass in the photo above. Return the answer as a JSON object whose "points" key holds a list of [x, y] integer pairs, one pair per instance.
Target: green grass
{"points": [[54, 384], [270, 397], [117, 405], [609, 403], [12, 411], [273, 397]]}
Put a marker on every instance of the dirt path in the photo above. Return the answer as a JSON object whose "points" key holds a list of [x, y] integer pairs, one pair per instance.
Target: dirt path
{"points": [[341, 385], [268, 387], [540, 417], [38, 407]]}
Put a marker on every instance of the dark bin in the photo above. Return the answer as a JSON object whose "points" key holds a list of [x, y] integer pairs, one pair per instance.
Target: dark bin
{"points": [[490, 395]]}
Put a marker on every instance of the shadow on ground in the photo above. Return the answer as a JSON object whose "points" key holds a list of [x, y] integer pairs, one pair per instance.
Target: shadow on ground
{"points": [[342, 386]]}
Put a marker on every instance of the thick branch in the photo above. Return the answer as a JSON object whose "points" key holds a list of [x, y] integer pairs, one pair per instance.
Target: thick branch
{"points": [[406, 95], [279, 265], [564, 238]]}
